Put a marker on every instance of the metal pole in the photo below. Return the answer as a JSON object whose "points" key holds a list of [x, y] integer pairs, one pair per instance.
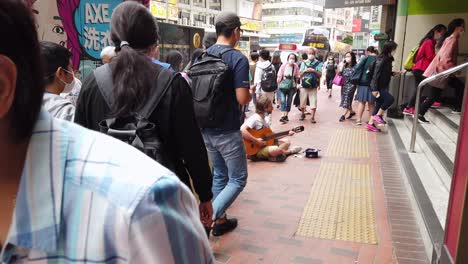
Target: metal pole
{"points": [[415, 118], [418, 98]]}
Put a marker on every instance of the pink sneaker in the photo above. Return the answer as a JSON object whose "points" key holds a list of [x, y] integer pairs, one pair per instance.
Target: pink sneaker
{"points": [[372, 128], [408, 111], [436, 104], [378, 119]]}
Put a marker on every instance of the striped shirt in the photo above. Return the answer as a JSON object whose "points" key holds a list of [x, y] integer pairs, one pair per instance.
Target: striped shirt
{"points": [[88, 198]]}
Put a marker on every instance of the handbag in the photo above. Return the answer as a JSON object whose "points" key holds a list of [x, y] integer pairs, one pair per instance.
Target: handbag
{"points": [[285, 85], [338, 80]]}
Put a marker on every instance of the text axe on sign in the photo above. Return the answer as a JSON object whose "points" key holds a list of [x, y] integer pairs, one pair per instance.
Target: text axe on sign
{"points": [[92, 21]]}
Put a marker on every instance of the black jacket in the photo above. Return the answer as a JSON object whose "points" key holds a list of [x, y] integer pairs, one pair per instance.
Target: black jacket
{"points": [[179, 130], [382, 73]]}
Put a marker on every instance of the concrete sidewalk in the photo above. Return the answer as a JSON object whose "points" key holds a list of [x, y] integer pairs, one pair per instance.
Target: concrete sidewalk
{"points": [[328, 210]]}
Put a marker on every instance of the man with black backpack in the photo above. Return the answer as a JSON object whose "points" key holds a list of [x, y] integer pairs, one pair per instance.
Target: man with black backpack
{"points": [[220, 85], [311, 72], [265, 76]]}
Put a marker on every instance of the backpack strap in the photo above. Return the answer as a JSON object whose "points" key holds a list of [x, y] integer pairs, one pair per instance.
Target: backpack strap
{"points": [[220, 55], [105, 84], [163, 83]]}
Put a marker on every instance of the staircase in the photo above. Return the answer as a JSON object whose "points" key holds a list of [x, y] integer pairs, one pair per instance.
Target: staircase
{"points": [[429, 171]]}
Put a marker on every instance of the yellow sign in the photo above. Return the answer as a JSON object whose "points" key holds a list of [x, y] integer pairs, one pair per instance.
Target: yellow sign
{"points": [[317, 45], [251, 25], [196, 40], [160, 9]]}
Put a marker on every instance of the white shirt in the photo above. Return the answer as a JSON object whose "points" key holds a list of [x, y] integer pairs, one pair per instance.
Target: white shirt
{"points": [[256, 122], [58, 107]]}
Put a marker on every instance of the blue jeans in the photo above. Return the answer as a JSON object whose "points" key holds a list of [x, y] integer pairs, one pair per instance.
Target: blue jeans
{"points": [[286, 99], [383, 102], [227, 154]]}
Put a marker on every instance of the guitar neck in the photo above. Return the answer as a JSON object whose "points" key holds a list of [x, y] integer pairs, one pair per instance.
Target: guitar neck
{"points": [[276, 135]]}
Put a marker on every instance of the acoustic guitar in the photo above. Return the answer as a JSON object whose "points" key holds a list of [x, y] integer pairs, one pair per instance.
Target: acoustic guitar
{"points": [[268, 136]]}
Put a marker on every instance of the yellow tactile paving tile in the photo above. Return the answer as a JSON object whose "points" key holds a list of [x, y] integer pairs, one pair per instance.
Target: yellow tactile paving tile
{"points": [[349, 143], [341, 205]]}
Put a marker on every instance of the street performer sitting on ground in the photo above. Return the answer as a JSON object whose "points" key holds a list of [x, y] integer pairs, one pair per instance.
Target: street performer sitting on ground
{"points": [[279, 150]]}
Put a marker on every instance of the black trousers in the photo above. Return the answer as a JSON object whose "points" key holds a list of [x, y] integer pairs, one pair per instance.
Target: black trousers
{"points": [[418, 78], [434, 95]]}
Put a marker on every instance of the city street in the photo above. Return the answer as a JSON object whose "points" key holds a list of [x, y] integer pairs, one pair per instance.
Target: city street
{"points": [[270, 208]]}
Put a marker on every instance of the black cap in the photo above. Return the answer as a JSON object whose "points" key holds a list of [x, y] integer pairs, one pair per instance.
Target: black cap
{"points": [[228, 19]]}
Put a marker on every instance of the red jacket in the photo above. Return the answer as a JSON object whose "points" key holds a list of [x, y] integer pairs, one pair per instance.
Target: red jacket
{"points": [[426, 54]]}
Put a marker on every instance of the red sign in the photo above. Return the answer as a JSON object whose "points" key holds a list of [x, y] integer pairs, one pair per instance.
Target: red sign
{"points": [[458, 191], [287, 47], [357, 25]]}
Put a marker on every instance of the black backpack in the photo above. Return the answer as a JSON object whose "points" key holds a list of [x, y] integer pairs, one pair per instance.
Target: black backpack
{"points": [[268, 82], [210, 96], [310, 79], [370, 71], [135, 129]]}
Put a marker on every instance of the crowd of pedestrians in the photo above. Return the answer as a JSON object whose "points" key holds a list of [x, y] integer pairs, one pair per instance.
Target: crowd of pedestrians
{"points": [[112, 166]]}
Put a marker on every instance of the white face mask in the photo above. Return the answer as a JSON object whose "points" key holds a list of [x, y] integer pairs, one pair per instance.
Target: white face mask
{"points": [[311, 57], [68, 86], [291, 61], [348, 60]]}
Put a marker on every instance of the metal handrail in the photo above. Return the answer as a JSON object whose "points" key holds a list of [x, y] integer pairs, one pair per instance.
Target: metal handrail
{"points": [[418, 98]]}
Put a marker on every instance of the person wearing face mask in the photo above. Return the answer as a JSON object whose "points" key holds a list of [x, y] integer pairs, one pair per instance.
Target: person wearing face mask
{"points": [[424, 57], [59, 78], [288, 74], [445, 59], [330, 74], [348, 89], [310, 72], [381, 72]]}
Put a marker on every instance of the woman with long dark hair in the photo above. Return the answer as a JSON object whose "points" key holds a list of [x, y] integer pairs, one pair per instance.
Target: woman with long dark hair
{"points": [[276, 61], [445, 59], [348, 89], [288, 73], [424, 57], [135, 35], [364, 94], [381, 75], [174, 58]]}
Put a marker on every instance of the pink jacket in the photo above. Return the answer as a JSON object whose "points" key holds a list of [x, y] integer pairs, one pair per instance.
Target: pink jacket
{"points": [[445, 59], [283, 68]]}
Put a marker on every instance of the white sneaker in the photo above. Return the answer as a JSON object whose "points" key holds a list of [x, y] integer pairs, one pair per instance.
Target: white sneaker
{"points": [[295, 149]]}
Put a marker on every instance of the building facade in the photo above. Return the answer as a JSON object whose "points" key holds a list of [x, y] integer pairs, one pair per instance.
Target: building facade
{"points": [[286, 21]]}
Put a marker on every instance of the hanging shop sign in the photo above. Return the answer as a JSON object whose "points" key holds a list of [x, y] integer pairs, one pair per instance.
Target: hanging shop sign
{"points": [[251, 25], [354, 3]]}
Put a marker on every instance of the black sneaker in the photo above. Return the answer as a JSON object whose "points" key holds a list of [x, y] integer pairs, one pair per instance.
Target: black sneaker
{"points": [[342, 118], [282, 119], [286, 118], [422, 119], [302, 117], [351, 115], [228, 226]]}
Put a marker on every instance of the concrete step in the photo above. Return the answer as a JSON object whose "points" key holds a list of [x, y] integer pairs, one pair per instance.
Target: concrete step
{"points": [[428, 169]]}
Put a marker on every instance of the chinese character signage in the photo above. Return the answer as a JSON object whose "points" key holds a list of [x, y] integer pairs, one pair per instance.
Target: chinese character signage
{"points": [[353, 3], [161, 9], [92, 22], [250, 24]]}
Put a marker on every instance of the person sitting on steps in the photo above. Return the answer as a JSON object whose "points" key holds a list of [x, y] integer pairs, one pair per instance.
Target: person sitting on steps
{"points": [[257, 121]]}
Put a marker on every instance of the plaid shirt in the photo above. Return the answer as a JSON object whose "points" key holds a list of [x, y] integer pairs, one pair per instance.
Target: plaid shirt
{"points": [[88, 198]]}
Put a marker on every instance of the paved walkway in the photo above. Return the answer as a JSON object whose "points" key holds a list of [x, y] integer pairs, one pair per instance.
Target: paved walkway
{"points": [[271, 208]]}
